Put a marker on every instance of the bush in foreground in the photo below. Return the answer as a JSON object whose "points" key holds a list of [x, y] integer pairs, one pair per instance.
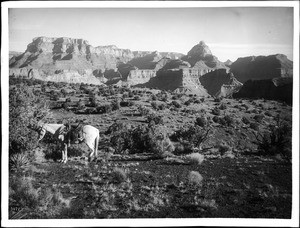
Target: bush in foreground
{"points": [[39, 203], [277, 140]]}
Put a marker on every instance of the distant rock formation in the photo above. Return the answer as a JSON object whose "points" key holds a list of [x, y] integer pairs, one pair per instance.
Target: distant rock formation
{"points": [[76, 55], [147, 61], [154, 60], [140, 76], [13, 54], [228, 63], [200, 56], [262, 67], [72, 56], [70, 76], [271, 89], [177, 80], [219, 83]]}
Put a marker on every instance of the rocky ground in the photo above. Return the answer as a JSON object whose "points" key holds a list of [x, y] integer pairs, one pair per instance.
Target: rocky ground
{"points": [[231, 180]]}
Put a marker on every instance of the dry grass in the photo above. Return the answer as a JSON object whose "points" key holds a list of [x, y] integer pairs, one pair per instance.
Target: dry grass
{"points": [[195, 158], [195, 178]]}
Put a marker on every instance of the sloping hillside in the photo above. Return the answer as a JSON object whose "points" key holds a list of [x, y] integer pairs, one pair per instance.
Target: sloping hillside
{"points": [[271, 89]]}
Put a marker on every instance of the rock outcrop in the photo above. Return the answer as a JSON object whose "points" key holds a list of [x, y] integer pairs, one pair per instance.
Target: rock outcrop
{"points": [[49, 55], [177, 80], [271, 89], [219, 83], [228, 63], [200, 56], [154, 60], [140, 76], [72, 56], [262, 67], [70, 76]]}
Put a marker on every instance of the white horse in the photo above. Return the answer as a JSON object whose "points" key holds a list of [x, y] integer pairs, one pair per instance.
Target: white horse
{"points": [[90, 136]]}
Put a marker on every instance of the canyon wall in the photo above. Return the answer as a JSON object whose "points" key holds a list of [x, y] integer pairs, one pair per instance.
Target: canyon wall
{"points": [[262, 67]]}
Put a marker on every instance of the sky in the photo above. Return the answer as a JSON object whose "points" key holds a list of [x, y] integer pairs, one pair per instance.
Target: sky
{"points": [[230, 32]]}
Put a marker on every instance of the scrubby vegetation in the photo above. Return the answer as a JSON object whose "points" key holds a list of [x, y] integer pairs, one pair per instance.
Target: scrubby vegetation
{"points": [[161, 155]]}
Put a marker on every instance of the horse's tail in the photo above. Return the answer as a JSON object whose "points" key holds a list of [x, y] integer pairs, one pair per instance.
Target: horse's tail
{"points": [[96, 144]]}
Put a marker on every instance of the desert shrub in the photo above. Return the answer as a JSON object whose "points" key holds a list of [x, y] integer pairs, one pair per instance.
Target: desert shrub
{"points": [[258, 118], [267, 113], [66, 105], [162, 106], [216, 119], [227, 120], [153, 139], [106, 108], [222, 106], [218, 99], [130, 94], [216, 111], [188, 102], [41, 203], [223, 148], [93, 101], [190, 137], [245, 120], [137, 98], [19, 161], [154, 105], [126, 103], [119, 175], [201, 121], [22, 193], [254, 126], [119, 136], [118, 200], [154, 118], [80, 105], [195, 178], [195, 158], [277, 140], [24, 109], [115, 105], [245, 106], [144, 111], [125, 95], [176, 104], [154, 97]]}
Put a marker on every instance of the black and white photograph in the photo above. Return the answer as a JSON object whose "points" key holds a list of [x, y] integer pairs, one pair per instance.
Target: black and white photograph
{"points": [[154, 113]]}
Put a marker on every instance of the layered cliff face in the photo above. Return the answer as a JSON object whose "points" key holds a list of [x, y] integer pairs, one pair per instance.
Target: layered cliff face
{"points": [[200, 56], [271, 89], [70, 76], [178, 81], [154, 60], [219, 83], [262, 67], [68, 53], [136, 77], [73, 56]]}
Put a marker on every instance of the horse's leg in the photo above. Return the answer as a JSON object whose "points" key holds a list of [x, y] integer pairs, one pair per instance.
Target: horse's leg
{"points": [[62, 155], [91, 147], [96, 145], [65, 153]]}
